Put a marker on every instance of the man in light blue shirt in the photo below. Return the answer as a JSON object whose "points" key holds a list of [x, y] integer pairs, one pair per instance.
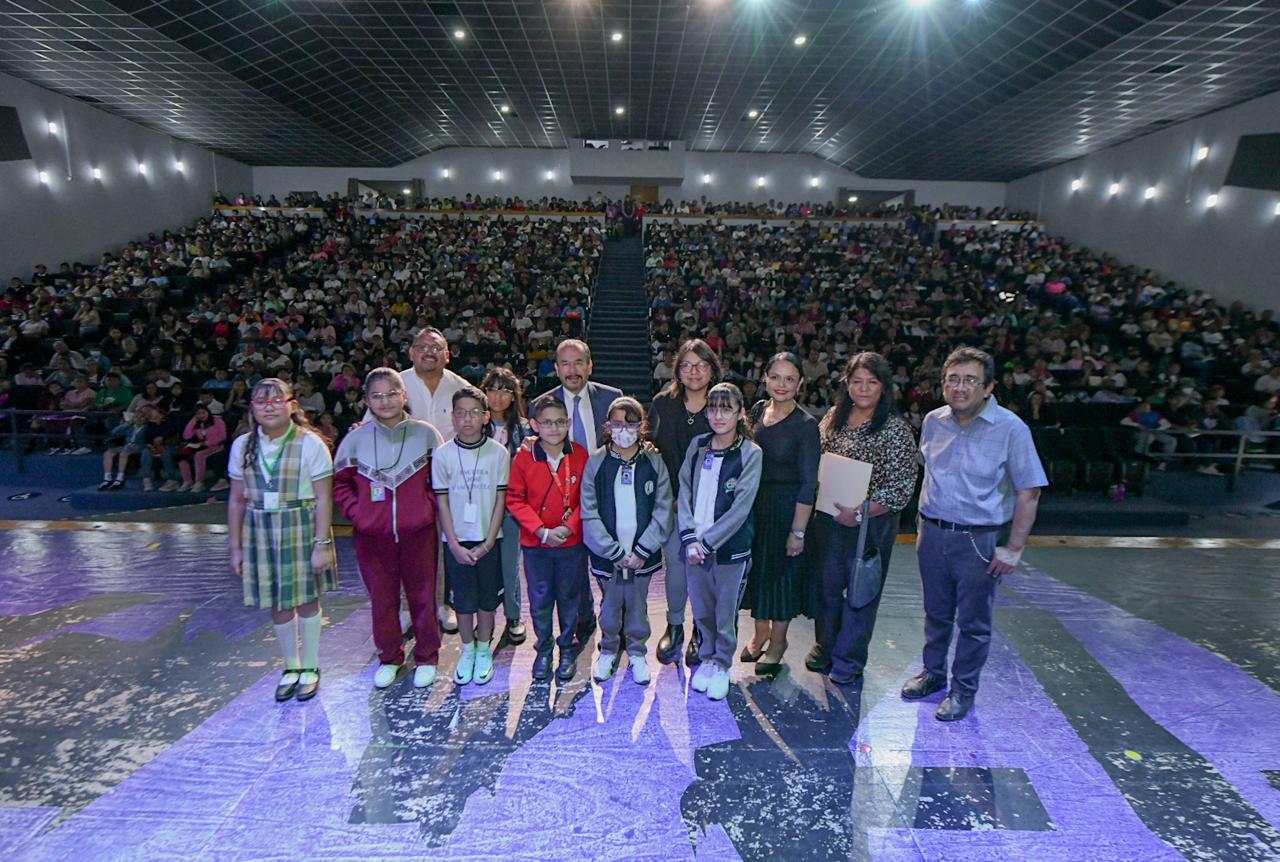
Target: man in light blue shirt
{"points": [[982, 480]]}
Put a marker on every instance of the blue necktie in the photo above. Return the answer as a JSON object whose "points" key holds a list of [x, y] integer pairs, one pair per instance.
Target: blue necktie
{"points": [[579, 430]]}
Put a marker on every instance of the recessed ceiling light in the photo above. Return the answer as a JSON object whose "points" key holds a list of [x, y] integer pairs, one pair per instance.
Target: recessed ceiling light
{"points": [[44, 177], [506, 109], [1113, 189], [753, 113], [759, 181], [615, 36], [459, 34], [853, 199], [142, 168], [406, 191], [813, 182], [1278, 209], [1149, 193], [1202, 154], [1076, 185], [444, 172], [497, 175], [1211, 201], [619, 110], [799, 40], [551, 175], [706, 178], [919, 4], [97, 173], [53, 128], [179, 166]]}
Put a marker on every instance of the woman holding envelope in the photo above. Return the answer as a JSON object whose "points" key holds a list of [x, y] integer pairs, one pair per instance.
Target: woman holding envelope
{"points": [[864, 425]]}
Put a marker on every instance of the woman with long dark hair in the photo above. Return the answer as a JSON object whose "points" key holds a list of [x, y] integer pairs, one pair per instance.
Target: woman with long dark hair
{"points": [[863, 425], [777, 586], [677, 416], [504, 394]]}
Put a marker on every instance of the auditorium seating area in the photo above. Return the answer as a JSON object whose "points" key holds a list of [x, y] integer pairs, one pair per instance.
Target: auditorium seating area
{"points": [[1097, 357]]}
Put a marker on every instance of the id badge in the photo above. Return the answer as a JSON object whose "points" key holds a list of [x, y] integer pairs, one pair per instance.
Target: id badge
{"points": [[377, 491], [271, 500], [627, 476], [708, 461], [471, 513]]}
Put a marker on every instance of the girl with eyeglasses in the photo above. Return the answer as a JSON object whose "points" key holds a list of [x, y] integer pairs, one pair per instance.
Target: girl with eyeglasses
{"points": [[278, 528], [626, 517], [508, 427], [677, 416]]}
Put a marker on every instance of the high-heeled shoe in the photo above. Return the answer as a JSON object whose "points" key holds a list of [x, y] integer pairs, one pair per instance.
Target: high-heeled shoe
{"points": [[749, 656]]}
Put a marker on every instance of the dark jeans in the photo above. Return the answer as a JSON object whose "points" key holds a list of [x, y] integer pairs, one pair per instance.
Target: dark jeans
{"points": [[958, 593], [586, 601], [553, 577], [843, 632]]}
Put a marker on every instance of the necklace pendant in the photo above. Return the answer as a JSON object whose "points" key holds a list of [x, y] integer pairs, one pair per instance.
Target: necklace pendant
{"points": [[688, 418]]}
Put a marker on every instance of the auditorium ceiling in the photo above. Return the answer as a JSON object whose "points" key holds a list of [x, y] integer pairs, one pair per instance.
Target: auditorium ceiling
{"points": [[948, 89]]}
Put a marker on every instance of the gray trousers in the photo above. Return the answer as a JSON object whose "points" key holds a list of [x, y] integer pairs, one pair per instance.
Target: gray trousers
{"points": [[715, 594], [677, 574], [624, 612], [511, 565]]}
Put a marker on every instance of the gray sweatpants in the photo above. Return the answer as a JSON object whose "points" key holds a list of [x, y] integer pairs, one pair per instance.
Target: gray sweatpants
{"points": [[715, 594], [624, 612], [677, 585]]}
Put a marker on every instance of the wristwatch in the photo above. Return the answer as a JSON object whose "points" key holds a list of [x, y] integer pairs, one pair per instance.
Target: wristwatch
{"points": [[799, 534]]}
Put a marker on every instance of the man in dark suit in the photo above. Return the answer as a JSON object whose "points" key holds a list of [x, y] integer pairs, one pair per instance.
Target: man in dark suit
{"points": [[587, 404]]}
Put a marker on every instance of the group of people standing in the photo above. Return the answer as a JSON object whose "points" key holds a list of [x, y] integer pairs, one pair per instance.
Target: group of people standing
{"points": [[590, 487]]}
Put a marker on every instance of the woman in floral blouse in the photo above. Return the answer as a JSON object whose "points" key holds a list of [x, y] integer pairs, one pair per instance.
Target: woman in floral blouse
{"points": [[864, 425]]}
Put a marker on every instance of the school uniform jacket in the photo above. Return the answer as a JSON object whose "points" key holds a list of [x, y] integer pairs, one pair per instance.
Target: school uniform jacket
{"points": [[535, 501], [728, 539], [408, 504], [654, 505]]}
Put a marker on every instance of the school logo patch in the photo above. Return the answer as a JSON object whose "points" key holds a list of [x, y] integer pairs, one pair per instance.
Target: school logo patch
{"points": [[648, 487], [730, 485]]}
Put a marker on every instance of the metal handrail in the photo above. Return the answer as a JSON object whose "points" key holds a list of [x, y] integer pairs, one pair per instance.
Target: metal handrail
{"points": [[15, 433], [1240, 455]]}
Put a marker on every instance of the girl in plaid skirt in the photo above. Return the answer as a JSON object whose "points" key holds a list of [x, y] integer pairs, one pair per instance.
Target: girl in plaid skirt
{"points": [[278, 517]]}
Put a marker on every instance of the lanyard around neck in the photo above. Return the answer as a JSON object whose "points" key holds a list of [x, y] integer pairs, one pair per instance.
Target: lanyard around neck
{"points": [[275, 465]]}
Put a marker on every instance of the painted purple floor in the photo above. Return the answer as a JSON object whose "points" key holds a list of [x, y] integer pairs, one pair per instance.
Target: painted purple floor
{"points": [[136, 722]]}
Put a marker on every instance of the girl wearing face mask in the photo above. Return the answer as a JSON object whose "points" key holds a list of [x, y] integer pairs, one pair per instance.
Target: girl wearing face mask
{"points": [[626, 517]]}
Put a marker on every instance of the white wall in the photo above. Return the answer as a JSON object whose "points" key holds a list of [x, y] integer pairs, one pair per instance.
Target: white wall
{"points": [[524, 174], [1229, 250], [75, 217]]}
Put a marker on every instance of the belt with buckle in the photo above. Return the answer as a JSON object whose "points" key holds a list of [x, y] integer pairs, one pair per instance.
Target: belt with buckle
{"points": [[962, 528]]}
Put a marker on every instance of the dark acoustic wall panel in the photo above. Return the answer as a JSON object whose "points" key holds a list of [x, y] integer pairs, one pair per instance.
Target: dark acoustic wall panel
{"points": [[1256, 164], [13, 144]]}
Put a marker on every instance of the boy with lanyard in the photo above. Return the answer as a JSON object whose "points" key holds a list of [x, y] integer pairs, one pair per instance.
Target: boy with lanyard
{"points": [[469, 474], [543, 496]]}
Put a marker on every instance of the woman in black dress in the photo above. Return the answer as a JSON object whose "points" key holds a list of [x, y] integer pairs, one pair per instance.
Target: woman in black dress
{"points": [[676, 416], [777, 586]]}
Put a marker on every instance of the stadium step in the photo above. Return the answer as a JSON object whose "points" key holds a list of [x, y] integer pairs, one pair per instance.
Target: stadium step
{"points": [[619, 329]]}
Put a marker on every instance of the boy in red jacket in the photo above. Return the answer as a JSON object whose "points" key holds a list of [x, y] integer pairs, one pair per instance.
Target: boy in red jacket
{"points": [[382, 484], [542, 495]]}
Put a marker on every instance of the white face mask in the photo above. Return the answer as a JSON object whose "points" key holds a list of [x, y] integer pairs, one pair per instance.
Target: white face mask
{"points": [[625, 438]]}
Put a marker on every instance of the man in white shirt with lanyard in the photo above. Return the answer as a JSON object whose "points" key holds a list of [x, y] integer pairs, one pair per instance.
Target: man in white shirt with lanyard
{"points": [[429, 386]]}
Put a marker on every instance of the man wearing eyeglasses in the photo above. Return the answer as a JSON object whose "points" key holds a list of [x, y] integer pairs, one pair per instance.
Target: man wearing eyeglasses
{"points": [[982, 481], [587, 404]]}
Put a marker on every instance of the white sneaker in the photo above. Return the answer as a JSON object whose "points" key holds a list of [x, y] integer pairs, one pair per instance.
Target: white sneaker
{"points": [[1209, 470], [220, 485], [83, 450], [448, 620], [718, 688], [424, 675], [605, 665], [184, 487], [386, 675], [484, 664], [702, 676], [466, 665], [148, 485], [640, 669], [169, 486], [197, 488]]}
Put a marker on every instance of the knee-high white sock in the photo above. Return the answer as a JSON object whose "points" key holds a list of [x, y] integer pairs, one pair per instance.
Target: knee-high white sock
{"points": [[310, 627], [287, 635]]}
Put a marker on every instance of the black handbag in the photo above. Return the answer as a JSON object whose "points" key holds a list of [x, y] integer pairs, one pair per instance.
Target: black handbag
{"points": [[866, 571]]}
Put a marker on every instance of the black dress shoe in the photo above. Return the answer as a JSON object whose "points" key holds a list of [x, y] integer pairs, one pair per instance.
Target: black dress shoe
{"points": [[408, 633], [568, 666], [955, 706], [922, 685], [854, 678], [768, 668], [308, 690], [817, 660], [285, 690], [542, 666], [691, 658], [748, 656], [669, 646]]}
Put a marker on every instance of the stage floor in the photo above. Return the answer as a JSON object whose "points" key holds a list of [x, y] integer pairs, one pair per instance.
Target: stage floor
{"points": [[1129, 711]]}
